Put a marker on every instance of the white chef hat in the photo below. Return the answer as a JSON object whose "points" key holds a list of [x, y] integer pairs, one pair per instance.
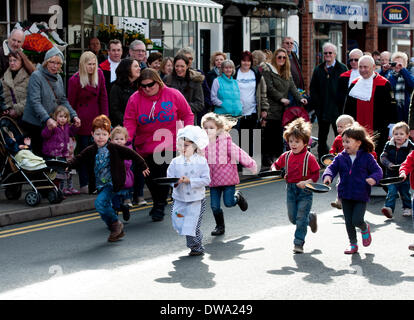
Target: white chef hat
{"points": [[195, 134]]}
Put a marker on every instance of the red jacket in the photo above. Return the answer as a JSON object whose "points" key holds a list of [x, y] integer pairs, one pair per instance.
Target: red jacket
{"points": [[407, 167], [338, 147], [295, 166]]}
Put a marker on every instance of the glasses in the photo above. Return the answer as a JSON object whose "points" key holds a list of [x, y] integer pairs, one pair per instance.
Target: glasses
{"points": [[328, 52], [57, 63], [353, 60], [148, 85], [286, 42], [281, 57], [138, 50]]}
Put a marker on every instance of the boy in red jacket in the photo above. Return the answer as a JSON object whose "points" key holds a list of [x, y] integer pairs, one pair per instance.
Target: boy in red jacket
{"points": [[301, 167], [406, 169]]}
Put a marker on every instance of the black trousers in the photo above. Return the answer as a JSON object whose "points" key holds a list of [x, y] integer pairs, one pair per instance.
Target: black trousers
{"points": [[273, 140], [323, 132], [158, 192]]}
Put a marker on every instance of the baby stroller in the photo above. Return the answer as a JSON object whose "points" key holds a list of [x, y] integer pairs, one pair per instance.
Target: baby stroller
{"points": [[292, 113], [14, 173]]}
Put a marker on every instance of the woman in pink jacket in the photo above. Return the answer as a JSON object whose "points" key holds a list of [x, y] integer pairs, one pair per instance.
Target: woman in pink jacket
{"points": [[152, 117], [223, 155]]}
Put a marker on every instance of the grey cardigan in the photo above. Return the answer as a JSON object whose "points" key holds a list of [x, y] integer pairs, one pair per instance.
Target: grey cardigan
{"points": [[41, 101]]}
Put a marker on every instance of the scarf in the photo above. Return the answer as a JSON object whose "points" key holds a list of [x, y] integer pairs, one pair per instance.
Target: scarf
{"points": [[354, 74], [362, 89]]}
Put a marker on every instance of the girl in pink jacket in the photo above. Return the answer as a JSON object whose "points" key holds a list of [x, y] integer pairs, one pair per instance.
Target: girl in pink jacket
{"points": [[223, 155]]}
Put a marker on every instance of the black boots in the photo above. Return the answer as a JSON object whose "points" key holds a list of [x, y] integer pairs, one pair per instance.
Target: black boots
{"points": [[219, 230], [241, 201]]}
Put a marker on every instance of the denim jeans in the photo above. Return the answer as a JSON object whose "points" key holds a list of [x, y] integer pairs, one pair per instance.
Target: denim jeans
{"points": [[120, 197], [103, 204], [228, 198], [393, 189], [299, 204]]}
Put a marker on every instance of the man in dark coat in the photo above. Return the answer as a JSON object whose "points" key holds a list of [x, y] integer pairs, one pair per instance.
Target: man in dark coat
{"points": [[370, 102], [324, 95], [295, 68], [109, 65]]}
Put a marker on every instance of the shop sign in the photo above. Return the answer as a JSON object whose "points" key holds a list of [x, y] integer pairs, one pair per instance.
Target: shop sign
{"points": [[340, 10], [396, 13]]}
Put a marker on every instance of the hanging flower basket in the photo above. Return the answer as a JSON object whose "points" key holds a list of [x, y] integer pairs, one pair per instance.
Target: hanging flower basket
{"points": [[36, 42]]}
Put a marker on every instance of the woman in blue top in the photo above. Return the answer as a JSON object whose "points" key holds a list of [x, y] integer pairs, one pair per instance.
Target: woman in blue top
{"points": [[225, 92]]}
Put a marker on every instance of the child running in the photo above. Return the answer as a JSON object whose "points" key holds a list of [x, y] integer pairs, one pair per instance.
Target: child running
{"points": [[344, 121], [406, 169], [56, 146], [222, 156], [119, 136], [301, 167], [107, 174], [189, 192], [358, 172], [395, 152]]}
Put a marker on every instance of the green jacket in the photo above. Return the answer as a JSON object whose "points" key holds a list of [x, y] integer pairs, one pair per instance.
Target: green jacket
{"points": [[278, 88], [324, 91]]}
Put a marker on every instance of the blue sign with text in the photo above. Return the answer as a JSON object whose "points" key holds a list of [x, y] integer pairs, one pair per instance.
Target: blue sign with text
{"points": [[396, 14]]}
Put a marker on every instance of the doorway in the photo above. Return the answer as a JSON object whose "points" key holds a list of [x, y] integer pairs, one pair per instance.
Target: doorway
{"points": [[233, 37]]}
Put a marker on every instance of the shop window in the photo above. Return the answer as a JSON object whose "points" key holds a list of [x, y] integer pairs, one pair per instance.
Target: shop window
{"points": [[9, 18], [326, 32], [175, 35], [267, 33]]}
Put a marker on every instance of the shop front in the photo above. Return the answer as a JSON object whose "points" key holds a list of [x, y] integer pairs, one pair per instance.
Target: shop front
{"points": [[395, 26], [347, 24]]}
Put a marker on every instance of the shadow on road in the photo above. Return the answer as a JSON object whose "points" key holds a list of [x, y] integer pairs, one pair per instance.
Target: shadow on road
{"points": [[191, 273], [222, 251], [316, 271], [376, 273]]}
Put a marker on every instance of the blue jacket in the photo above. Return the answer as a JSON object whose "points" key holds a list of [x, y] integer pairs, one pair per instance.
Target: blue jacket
{"points": [[229, 94], [352, 185], [391, 155], [409, 86]]}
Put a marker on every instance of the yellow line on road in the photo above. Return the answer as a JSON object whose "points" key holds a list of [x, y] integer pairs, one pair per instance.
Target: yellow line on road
{"points": [[95, 215]]}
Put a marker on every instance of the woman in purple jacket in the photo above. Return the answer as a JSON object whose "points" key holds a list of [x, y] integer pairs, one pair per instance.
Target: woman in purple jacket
{"points": [[87, 95], [358, 172]]}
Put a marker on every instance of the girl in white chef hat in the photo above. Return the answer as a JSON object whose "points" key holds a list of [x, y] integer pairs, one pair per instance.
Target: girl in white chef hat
{"points": [[189, 192]]}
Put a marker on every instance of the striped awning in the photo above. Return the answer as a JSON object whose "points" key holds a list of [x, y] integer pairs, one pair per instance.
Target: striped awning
{"points": [[184, 10]]}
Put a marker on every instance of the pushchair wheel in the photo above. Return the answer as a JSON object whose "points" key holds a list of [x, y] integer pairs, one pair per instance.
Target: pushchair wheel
{"points": [[55, 196], [13, 192], [32, 198]]}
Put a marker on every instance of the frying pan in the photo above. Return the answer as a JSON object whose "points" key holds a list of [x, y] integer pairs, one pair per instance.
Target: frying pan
{"points": [[327, 159], [317, 187], [166, 181], [270, 173], [392, 180]]}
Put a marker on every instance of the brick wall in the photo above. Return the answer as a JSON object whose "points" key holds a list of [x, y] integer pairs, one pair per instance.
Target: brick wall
{"points": [[371, 35], [306, 42]]}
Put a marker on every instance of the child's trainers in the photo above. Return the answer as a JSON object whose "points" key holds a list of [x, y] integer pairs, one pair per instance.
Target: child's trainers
{"points": [[336, 204], [406, 212], [366, 236], [128, 203], [313, 224], [66, 192], [353, 248], [411, 247], [74, 191], [141, 201], [387, 211], [298, 249]]}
